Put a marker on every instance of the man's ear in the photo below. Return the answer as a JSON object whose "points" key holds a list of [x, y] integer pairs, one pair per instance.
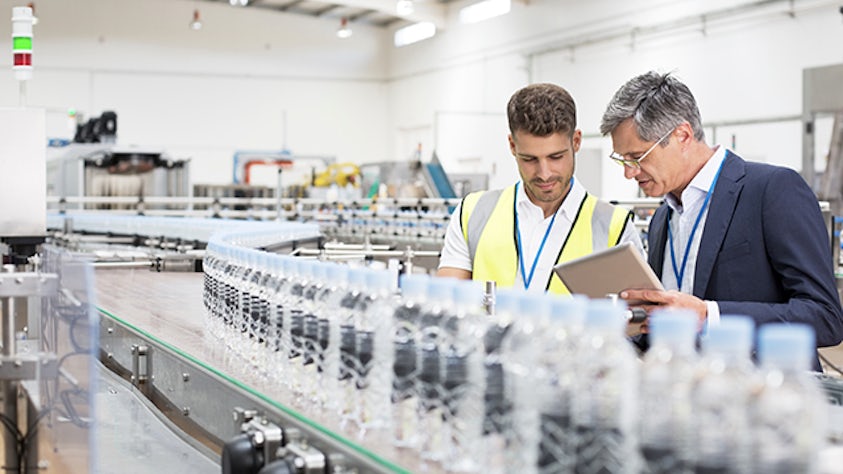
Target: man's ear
{"points": [[577, 140]]}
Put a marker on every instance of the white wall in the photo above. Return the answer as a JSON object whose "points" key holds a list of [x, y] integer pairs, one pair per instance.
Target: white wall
{"points": [[230, 86], [748, 67], [205, 94]]}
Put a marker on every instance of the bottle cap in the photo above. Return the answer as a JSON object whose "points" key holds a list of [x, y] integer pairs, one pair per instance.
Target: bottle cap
{"points": [[468, 293], [734, 335], [439, 290], [569, 311], [786, 346], [506, 302], [533, 305], [414, 286], [675, 328], [605, 315]]}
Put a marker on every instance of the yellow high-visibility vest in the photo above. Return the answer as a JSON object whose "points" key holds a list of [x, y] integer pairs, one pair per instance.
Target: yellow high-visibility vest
{"points": [[487, 219]]}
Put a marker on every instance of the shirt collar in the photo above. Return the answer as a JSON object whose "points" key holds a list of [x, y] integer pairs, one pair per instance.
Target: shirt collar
{"points": [[570, 205], [701, 182]]}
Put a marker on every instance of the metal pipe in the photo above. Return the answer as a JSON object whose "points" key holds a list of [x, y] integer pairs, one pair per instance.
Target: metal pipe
{"points": [[9, 388], [134, 264]]}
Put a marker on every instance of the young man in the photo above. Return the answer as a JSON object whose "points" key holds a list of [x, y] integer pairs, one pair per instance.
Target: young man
{"points": [[514, 236], [733, 237]]}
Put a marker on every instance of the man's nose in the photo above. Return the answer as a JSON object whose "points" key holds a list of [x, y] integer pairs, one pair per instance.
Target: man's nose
{"points": [[630, 172], [544, 169]]}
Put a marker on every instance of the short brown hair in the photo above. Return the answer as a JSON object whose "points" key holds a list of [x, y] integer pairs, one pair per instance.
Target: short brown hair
{"points": [[542, 110]]}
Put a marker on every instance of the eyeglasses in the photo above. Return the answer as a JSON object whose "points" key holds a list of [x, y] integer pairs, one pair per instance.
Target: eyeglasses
{"points": [[636, 163]]}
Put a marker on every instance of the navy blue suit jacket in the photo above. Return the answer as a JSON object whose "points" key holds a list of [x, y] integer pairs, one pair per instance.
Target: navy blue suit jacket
{"points": [[764, 250]]}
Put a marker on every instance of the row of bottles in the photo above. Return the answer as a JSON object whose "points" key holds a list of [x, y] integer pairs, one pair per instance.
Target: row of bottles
{"points": [[546, 384]]}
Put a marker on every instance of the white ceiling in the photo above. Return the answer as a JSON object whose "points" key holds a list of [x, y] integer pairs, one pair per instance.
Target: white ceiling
{"points": [[381, 13]]}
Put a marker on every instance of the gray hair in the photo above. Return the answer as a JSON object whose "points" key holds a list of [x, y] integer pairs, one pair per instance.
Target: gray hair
{"points": [[656, 103]]}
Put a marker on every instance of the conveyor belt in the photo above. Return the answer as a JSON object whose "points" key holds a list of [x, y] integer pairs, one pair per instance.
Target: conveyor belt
{"points": [[202, 379]]}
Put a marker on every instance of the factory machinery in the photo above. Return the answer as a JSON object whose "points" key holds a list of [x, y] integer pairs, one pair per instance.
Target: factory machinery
{"points": [[237, 357]]}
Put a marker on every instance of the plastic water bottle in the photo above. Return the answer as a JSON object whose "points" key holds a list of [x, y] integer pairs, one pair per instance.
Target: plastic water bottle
{"points": [[254, 310], [557, 383], [311, 349], [788, 413], [347, 315], [239, 344], [520, 355], [667, 377], [329, 336], [376, 353], [294, 324], [405, 369], [498, 408], [212, 266], [721, 398], [429, 383], [604, 406], [463, 378], [277, 337]]}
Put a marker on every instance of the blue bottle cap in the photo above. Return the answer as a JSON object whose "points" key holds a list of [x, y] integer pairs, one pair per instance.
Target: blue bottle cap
{"points": [[605, 315], [734, 335], [675, 328], [786, 346]]}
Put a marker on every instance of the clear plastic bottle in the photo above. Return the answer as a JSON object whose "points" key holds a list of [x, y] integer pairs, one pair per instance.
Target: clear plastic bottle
{"points": [[347, 315], [375, 329], [721, 398], [557, 382], [498, 408], [667, 378], [290, 320], [252, 343], [405, 369], [463, 378], [604, 406], [429, 383], [240, 344], [329, 336], [520, 353], [277, 336], [313, 283], [789, 411], [233, 299], [212, 265]]}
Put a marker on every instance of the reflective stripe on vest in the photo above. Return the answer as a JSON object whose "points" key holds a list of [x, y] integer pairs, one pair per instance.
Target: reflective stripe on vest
{"points": [[488, 225]]}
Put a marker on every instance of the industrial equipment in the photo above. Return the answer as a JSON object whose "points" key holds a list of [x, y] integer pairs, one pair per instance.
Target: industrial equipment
{"points": [[110, 171]]}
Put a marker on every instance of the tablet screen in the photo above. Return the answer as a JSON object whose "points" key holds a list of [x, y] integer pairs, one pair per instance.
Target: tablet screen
{"points": [[609, 271]]}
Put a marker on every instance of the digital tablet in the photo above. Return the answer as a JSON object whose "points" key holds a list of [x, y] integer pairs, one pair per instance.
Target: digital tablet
{"points": [[609, 271]]}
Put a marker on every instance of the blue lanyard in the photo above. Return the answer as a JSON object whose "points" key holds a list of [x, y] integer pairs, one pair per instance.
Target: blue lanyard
{"points": [[680, 274], [524, 277]]}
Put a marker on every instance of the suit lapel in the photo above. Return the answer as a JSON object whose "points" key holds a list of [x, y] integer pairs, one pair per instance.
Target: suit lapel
{"points": [[657, 236], [722, 207]]}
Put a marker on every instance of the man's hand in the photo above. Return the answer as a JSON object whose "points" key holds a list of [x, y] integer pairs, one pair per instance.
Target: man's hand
{"points": [[658, 299]]}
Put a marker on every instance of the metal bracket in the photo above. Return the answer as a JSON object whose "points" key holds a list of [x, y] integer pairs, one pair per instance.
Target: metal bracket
{"points": [[141, 365], [266, 435], [19, 284], [304, 457], [28, 367]]}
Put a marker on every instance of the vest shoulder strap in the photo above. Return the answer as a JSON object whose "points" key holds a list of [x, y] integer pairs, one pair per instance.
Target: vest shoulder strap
{"points": [[475, 214]]}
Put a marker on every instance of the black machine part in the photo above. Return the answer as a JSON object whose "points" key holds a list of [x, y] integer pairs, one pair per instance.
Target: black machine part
{"points": [[264, 447], [241, 455]]}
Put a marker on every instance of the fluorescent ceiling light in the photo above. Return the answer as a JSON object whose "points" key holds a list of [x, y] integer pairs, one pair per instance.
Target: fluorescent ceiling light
{"points": [[404, 7], [344, 31], [484, 10], [414, 33]]}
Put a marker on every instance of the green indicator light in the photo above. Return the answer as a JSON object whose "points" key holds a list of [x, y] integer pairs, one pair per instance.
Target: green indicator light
{"points": [[22, 42]]}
